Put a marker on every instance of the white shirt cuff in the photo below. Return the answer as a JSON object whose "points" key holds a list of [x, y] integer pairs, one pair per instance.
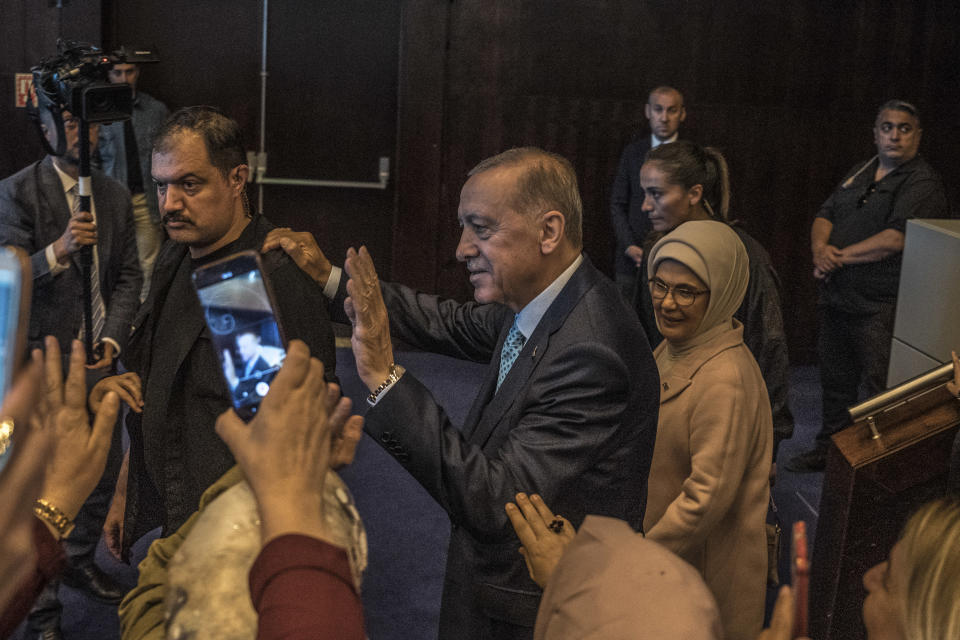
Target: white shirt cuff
{"points": [[333, 282], [52, 263], [116, 345]]}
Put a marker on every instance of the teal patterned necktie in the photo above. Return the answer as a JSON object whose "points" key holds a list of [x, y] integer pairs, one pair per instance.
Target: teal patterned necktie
{"points": [[511, 349]]}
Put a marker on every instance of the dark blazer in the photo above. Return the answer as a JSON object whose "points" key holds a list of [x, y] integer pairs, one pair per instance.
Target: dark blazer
{"points": [[630, 224], [173, 460], [575, 421], [34, 213]]}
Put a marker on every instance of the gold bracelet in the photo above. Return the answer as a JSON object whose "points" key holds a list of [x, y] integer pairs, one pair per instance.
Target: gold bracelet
{"points": [[395, 372], [54, 517], [6, 434]]}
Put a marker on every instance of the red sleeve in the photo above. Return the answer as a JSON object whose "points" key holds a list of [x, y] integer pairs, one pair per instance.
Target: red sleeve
{"points": [[49, 563], [302, 587]]}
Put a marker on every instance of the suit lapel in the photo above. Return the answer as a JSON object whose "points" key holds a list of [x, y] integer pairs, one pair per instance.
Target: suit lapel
{"points": [[533, 352], [488, 387], [170, 260]]}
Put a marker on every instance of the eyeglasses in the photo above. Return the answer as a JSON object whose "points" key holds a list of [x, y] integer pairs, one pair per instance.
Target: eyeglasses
{"points": [[683, 295]]}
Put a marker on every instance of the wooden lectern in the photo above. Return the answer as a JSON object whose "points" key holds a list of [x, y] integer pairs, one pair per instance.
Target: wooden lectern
{"points": [[894, 458]]}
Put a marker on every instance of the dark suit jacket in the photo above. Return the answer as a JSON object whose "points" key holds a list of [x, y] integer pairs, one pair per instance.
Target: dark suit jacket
{"points": [[630, 224], [34, 213], [574, 421], [175, 454]]}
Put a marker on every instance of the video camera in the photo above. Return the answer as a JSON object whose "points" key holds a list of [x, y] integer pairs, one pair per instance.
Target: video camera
{"points": [[76, 80]]}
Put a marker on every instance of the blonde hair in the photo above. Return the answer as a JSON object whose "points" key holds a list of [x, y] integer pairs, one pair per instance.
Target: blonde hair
{"points": [[931, 548]]}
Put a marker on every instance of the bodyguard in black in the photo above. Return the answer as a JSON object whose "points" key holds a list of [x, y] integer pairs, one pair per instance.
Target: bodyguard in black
{"points": [[857, 241], [665, 113]]}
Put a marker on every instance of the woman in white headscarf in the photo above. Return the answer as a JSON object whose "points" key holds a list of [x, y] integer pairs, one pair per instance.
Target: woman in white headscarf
{"points": [[709, 486], [709, 481]]}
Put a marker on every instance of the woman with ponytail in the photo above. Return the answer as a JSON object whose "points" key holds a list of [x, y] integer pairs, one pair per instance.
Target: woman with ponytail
{"points": [[682, 182]]}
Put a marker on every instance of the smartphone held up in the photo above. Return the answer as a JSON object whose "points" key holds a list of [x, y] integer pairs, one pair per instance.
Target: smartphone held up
{"points": [[15, 283], [238, 307]]}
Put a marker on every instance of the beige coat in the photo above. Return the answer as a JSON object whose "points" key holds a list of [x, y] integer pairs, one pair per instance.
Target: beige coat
{"points": [[709, 481]]}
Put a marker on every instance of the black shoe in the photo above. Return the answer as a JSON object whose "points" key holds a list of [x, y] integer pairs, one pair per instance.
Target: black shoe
{"points": [[808, 461], [91, 579]]}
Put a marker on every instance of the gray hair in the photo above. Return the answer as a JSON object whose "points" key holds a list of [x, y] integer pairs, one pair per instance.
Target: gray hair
{"points": [[548, 183]]}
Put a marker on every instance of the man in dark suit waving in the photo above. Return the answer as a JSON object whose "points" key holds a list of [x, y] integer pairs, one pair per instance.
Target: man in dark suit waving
{"points": [[568, 408]]}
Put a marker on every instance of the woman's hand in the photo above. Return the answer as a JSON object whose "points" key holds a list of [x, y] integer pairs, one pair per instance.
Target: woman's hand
{"points": [[781, 622], [288, 447], [544, 536], [79, 453]]}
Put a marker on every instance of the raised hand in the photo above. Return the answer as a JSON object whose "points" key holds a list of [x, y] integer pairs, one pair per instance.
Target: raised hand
{"points": [[79, 453], [372, 346], [286, 450]]}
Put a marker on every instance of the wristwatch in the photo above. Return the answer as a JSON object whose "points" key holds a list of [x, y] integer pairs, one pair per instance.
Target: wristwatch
{"points": [[395, 372]]}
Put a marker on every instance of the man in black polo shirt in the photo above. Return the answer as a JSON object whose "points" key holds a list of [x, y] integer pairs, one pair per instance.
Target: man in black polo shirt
{"points": [[857, 241]]}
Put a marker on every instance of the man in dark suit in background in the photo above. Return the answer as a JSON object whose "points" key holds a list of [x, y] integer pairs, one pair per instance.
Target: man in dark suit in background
{"points": [[569, 405], [665, 113], [35, 214]]}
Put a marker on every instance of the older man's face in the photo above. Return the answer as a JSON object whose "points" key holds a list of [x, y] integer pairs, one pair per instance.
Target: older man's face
{"points": [[897, 135], [501, 246]]}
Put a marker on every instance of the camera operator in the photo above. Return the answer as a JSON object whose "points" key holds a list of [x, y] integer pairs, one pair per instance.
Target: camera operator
{"points": [[40, 212], [125, 155]]}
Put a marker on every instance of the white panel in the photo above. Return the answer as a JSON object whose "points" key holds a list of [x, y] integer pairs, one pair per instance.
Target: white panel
{"points": [[906, 362], [928, 303]]}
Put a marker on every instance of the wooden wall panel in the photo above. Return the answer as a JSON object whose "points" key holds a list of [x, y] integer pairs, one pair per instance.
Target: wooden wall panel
{"points": [[28, 34], [788, 91], [331, 98]]}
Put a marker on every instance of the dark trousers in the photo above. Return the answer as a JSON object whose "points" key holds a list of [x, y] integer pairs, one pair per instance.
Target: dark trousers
{"points": [[81, 545], [854, 350]]}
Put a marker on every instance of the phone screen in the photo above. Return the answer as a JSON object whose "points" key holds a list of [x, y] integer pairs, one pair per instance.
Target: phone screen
{"points": [[10, 300], [243, 326]]}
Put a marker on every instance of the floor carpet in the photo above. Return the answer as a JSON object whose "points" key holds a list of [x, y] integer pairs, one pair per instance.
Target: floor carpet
{"points": [[407, 530]]}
